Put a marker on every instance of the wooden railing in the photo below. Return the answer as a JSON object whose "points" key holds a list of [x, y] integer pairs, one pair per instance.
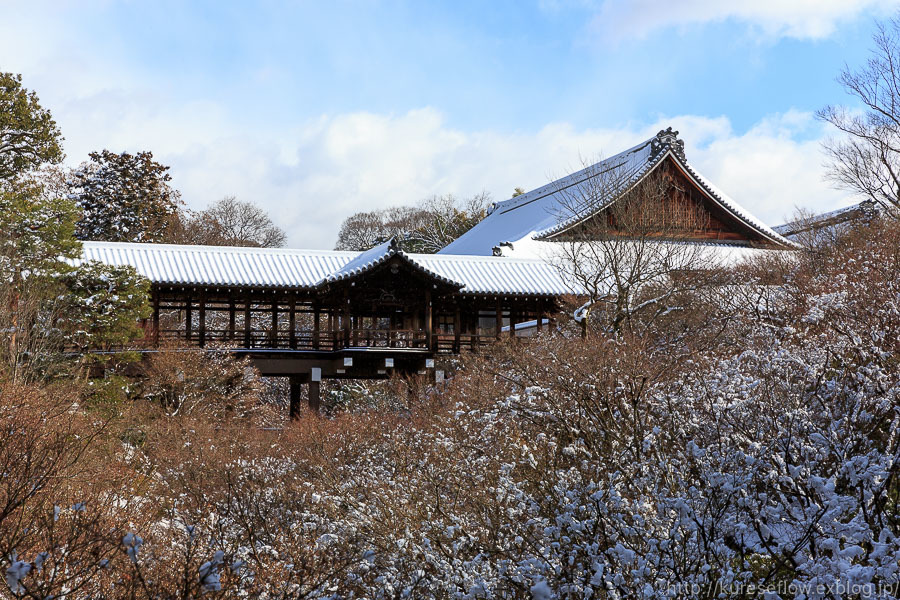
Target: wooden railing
{"points": [[326, 341]]}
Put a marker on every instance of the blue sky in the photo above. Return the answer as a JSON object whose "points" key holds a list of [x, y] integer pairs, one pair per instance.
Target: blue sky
{"points": [[315, 110]]}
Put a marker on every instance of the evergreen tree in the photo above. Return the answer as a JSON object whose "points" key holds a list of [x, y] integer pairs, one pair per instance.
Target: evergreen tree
{"points": [[49, 299], [29, 137], [123, 197]]}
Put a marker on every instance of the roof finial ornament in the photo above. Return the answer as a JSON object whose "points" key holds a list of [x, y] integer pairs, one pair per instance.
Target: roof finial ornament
{"points": [[667, 139]]}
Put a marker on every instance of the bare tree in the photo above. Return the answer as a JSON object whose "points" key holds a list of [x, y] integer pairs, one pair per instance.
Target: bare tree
{"points": [[866, 159], [361, 231], [228, 222], [426, 227], [629, 247], [448, 217]]}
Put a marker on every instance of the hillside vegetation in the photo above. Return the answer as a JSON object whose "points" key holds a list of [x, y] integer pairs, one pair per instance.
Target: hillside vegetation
{"points": [[744, 447]]}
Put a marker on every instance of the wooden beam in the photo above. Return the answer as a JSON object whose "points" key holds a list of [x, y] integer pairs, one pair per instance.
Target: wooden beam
{"points": [[499, 319]]}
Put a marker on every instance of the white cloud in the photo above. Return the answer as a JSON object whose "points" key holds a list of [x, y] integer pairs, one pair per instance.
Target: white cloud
{"points": [[312, 174], [362, 161], [802, 19]]}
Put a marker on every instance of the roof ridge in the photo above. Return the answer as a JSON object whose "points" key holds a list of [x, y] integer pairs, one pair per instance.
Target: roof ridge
{"points": [[548, 188], [211, 248]]}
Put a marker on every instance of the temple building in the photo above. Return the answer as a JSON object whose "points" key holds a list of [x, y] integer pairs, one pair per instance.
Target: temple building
{"points": [[312, 314], [527, 225]]}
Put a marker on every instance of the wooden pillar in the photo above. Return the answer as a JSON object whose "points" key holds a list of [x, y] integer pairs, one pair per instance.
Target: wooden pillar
{"points": [[315, 400], [499, 319], [429, 325], [231, 319], [345, 320], [512, 323], [317, 317], [457, 330], [156, 318], [274, 333], [296, 408], [201, 316], [292, 323], [332, 334], [247, 325], [540, 317], [187, 318]]}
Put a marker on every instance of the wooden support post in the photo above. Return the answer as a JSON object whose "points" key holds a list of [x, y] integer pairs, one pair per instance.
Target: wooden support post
{"points": [[540, 318], [187, 319], [315, 400], [247, 325], [156, 318], [201, 316], [296, 408], [331, 321], [274, 334], [457, 330], [345, 321], [499, 319], [317, 317], [512, 324], [231, 320], [292, 322], [429, 325]]}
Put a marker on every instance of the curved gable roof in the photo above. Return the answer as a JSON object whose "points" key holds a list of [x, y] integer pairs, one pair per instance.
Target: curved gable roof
{"points": [[548, 209]]}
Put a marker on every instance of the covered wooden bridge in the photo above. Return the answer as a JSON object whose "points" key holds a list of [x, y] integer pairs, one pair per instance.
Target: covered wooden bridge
{"points": [[312, 315]]}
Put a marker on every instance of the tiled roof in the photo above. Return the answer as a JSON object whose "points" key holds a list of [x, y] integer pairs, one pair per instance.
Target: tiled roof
{"points": [[310, 269], [218, 265]]}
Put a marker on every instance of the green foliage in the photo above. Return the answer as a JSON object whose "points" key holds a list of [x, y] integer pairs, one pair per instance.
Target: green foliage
{"points": [[49, 302], [105, 304], [29, 136], [124, 197], [107, 395], [36, 233]]}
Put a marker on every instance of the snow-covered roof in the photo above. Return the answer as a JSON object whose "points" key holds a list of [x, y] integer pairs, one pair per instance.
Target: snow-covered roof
{"points": [[828, 219], [310, 269], [221, 265], [547, 210]]}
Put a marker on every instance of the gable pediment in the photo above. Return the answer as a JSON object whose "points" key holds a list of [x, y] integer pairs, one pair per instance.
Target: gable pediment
{"points": [[668, 203]]}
